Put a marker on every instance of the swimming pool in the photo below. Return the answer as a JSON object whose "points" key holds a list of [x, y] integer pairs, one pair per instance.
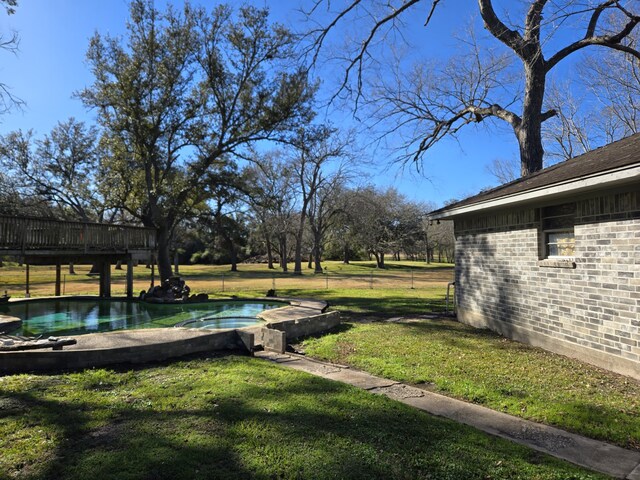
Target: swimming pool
{"points": [[78, 316]]}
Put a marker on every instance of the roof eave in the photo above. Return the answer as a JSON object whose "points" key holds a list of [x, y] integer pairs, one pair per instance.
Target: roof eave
{"points": [[602, 180]]}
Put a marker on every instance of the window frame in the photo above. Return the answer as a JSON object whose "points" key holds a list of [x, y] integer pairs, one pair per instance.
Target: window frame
{"points": [[558, 218], [548, 243]]}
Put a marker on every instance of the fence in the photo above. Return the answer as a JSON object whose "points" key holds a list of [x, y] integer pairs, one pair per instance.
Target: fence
{"points": [[375, 280], [430, 283]]}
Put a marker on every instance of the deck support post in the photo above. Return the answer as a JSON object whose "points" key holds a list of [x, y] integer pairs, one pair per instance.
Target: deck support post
{"points": [[58, 278], [105, 279], [129, 278], [26, 293]]}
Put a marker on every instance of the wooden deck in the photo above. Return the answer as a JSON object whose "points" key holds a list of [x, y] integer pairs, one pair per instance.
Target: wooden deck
{"points": [[47, 241], [31, 236]]}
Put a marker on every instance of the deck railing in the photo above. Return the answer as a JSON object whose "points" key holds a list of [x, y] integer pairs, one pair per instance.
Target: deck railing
{"points": [[31, 233]]}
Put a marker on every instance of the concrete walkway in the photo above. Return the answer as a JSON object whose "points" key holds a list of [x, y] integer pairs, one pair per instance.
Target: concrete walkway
{"points": [[595, 455]]}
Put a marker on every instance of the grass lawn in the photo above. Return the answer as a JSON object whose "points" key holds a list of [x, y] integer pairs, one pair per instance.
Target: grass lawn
{"points": [[482, 367], [242, 418], [250, 279], [237, 417]]}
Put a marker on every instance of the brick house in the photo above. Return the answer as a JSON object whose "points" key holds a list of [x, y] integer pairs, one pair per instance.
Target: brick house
{"points": [[553, 259]]}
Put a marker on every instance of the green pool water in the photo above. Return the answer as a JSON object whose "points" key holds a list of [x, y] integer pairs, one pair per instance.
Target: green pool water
{"points": [[75, 317]]}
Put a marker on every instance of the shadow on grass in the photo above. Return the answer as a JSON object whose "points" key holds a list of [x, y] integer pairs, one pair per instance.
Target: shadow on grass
{"points": [[267, 424]]}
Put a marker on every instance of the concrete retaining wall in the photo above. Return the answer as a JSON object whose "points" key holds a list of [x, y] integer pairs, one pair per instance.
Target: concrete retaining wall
{"points": [[75, 359], [8, 323], [312, 325], [148, 345]]}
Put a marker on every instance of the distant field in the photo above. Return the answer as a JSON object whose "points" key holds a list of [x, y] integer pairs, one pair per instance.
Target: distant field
{"points": [[399, 279]]}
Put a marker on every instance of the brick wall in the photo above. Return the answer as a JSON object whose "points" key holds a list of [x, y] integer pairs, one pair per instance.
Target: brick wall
{"points": [[588, 309]]}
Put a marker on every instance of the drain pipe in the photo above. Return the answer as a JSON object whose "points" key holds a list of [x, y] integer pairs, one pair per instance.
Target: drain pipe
{"points": [[453, 311]]}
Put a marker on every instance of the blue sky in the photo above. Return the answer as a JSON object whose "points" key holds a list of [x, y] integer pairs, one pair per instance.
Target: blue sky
{"points": [[50, 66]]}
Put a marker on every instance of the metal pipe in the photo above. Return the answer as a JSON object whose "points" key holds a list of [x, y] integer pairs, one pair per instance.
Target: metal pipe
{"points": [[449, 285]]}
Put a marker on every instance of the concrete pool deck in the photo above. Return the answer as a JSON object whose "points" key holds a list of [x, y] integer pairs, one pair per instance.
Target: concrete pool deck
{"points": [[300, 317]]}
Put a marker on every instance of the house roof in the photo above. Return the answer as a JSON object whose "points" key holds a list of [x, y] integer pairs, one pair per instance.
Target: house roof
{"points": [[610, 165]]}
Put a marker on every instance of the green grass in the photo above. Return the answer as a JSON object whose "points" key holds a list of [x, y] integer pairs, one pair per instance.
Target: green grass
{"points": [[269, 423], [236, 417], [218, 280], [482, 367], [377, 302]]}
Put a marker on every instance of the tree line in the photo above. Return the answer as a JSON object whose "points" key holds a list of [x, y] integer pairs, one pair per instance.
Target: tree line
{"points": [[207, 127], [180, 101], [299, 203]]}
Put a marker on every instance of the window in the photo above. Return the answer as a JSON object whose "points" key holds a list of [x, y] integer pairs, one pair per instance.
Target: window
{"points": [[560, 244], [557, 228]]}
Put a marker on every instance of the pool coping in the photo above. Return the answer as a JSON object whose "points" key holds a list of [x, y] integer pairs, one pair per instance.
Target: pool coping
{"points": [[296, 317]]}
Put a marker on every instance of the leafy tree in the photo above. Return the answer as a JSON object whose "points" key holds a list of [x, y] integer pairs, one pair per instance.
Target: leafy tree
{"points": [[406, 227], [59, 170], [431, 102], [9, 6], [373, 221], [227, 218], [180, 94]]}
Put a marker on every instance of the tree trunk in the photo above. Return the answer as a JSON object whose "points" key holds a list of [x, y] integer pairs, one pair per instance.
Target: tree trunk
{"points": [[234, 258], [176, 263], [529, 132], [310, 262], [269, 252], [345, 253], [118, 265], [72, 270], [379, 259], [283, 254], [297, 257], [164, 259], [317, 249], [318, 259]]}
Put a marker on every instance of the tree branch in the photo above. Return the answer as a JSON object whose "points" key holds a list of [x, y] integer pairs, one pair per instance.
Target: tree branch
{"points": [[498, 29], [595, 16], [532, 22], [548, 114], [609, 41]]}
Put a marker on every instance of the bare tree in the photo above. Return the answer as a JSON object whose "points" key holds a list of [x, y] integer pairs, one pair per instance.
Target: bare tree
{"points": [[504, 170], [324, 208], [569, 133], [615, 81], [606, 111], [9, 43], [315, 148], [273, 202], [436, 103]]}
